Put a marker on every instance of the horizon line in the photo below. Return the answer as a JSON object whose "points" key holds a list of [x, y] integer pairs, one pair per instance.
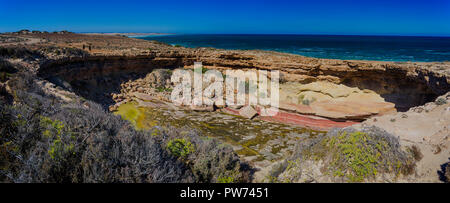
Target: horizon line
{"points": [[212, 33], [324, 34]]}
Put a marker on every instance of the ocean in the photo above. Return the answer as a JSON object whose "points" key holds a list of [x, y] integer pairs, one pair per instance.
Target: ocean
{"points": [[379, 48]]}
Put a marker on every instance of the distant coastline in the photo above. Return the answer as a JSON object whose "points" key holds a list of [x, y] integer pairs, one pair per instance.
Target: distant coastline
{"points": [[344, 47], [130, 34]]}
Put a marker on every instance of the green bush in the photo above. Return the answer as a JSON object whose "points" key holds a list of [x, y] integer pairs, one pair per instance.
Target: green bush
{"points": [[357, 156], [180, 147], [351, 152], [225, 179]]}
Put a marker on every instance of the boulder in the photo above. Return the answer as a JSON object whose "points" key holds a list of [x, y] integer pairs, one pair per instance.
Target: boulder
{"points": [[248, 112], [158, 77]]}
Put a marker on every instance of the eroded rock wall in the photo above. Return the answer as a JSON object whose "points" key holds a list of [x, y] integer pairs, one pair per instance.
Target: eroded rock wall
{"points": [[404, 84]]}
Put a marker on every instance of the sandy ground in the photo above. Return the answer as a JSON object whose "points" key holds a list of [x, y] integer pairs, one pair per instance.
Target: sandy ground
{"points": [[428, 128]]}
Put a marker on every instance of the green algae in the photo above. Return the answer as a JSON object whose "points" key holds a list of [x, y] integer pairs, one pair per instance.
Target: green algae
{"points": [[135, 115]]}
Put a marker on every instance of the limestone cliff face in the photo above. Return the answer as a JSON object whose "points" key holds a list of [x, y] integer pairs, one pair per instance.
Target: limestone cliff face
{"points": [[115, 58], [404, 84]]}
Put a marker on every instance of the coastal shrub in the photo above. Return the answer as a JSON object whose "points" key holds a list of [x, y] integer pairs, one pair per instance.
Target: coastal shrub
{"points": [[8, 129], [356, 156], [213, 162], [352, 150], [44, 139], [180, 147], [416, 153], [225, 179], [4, 76], [19, 52], [36, 152], [6, 67], [66, 51], [98, 148]]}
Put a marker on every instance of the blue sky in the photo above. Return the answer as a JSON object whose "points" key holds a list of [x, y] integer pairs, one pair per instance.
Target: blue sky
{"points": [[362, 17]]}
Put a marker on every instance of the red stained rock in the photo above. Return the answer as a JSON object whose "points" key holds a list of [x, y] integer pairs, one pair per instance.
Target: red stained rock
{"points": [[298, 119]]}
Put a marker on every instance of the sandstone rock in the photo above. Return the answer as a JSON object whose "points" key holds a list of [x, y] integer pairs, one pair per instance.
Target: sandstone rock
{"points": [[144, 97], [351, 110], [236, 107], [208, 108], [332, 100], [299, 108], [112, 108], [248, 112], [327, 88]]}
